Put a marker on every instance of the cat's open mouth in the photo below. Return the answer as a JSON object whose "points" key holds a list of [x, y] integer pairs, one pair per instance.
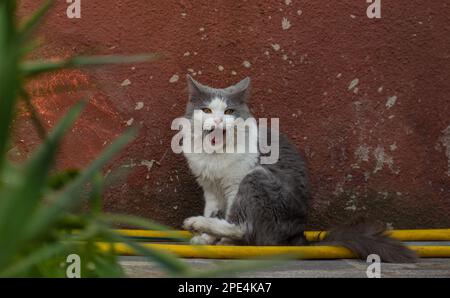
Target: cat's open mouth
{"points": [[216, 135]]}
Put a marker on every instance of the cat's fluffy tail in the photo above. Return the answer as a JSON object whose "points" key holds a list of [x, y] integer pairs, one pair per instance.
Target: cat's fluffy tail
{"points": [[364, 238]]}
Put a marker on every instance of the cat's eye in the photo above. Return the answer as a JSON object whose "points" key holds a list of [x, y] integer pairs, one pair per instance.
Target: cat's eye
{"points": [[207, 110], [229, 111]]}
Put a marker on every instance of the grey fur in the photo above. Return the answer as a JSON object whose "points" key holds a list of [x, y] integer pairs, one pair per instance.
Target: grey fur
{"points": [[272, 200], [235, 96]]}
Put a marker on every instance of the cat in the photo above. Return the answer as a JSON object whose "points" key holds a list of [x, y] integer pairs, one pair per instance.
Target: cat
{"points": [[248, 202]]}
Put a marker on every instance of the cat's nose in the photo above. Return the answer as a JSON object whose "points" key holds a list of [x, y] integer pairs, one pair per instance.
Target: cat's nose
{"points": [[217, 121]]}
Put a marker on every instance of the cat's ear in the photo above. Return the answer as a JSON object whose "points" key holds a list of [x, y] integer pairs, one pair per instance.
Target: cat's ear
{"points": [[241, 91], [195, 89]]}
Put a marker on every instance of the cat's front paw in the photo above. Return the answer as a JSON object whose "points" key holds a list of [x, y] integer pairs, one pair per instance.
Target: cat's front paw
{"points": [[194, 223], [203, 239]]}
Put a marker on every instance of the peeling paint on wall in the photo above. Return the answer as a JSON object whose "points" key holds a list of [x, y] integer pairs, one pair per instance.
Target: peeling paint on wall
{"points": [[276, 47], [382, 159], [353, 83], [246, 64], [130, 122], [285, 24], [139, 106], [174, 78], [391, 101], [126, 82], [362, 153]]}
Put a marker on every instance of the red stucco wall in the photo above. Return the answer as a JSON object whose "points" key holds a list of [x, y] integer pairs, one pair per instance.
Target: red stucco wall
{"points": [[381, 148]]}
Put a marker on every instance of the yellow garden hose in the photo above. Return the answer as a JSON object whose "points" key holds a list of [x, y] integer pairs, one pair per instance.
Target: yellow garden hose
{"points": [[154, 234], [248, 252], [402, 235], [300, 252]]}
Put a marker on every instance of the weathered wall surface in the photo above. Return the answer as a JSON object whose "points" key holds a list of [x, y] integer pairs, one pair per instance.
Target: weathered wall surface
{"points": [[367, 101]]}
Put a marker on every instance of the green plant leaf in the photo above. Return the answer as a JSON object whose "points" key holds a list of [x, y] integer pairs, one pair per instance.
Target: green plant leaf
{"points": [[7, 18], [33, 21], [33, 68], [70, 197], [35, 229], [62, 178], [107, 266], [18, 204], [20, 268], [67, 243], [133, 220], [34, 114], [169, 262], [96, 194], [141, 223], [8, 72]]}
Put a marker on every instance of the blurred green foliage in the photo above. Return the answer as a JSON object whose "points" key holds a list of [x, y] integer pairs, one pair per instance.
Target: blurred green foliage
{"points": [[39, 222], [40, 219]]}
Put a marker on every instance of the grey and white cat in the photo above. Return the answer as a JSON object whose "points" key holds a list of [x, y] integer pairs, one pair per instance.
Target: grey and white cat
{"points": [[250, 203]]}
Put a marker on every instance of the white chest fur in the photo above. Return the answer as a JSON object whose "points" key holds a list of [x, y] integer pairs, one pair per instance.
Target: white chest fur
{"points": [[220, 175], [224, 166]]}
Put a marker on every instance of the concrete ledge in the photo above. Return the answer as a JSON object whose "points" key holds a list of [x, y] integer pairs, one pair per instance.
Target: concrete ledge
{"points": [[139, 267]]}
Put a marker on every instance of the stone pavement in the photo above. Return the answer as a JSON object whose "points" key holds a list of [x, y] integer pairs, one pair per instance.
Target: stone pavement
{"points": [[139, 267]]}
